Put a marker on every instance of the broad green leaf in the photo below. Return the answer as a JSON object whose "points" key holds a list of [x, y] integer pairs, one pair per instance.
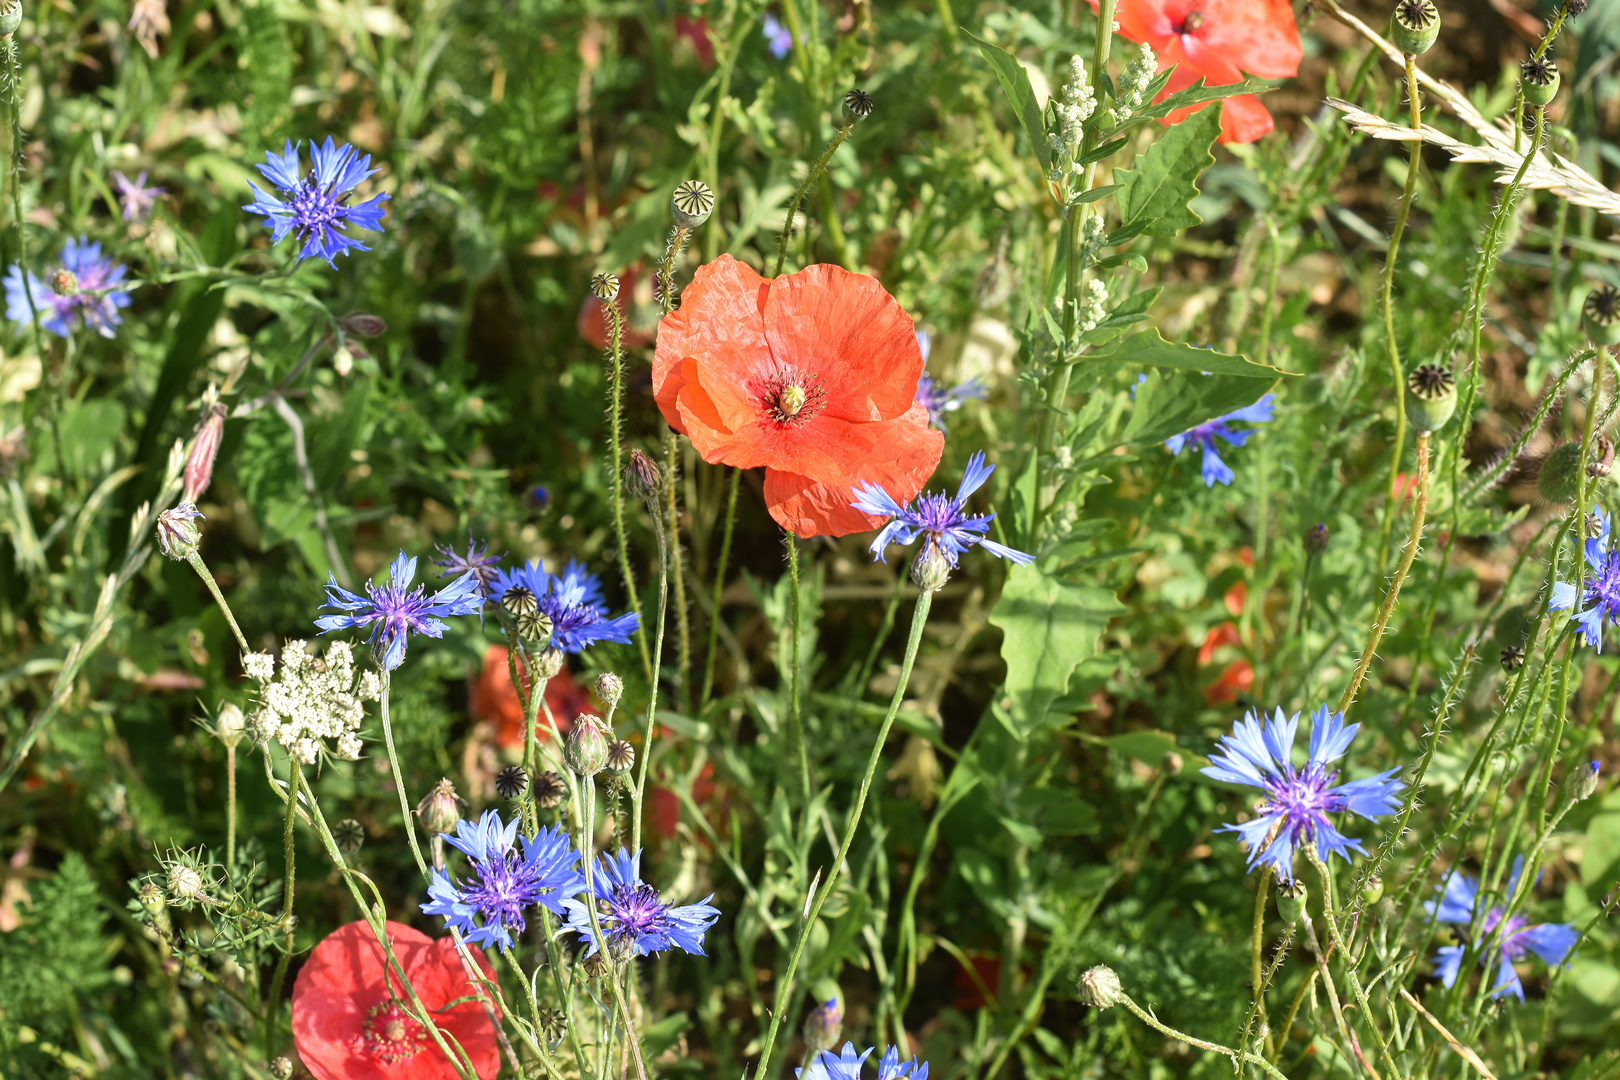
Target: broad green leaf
{"points": [[1170, 402], [1154, 196], [1600, 858], [1048, 627], [1056, 812], [1015, 82], [1150, 348]]}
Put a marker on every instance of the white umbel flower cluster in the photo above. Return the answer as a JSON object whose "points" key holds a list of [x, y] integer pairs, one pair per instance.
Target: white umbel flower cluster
{"points": [[315, 698], [1075, 107], [1133, 84]]}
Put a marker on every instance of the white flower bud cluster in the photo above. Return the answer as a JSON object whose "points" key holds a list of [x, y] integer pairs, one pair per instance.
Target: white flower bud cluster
{"points": [[1094, 309], [315, 698], [1133, 84], [1077, 104]]}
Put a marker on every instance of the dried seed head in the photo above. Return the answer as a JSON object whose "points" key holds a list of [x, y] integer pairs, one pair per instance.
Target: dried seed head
{"points": [[620, 756], [440, 807], [554, 1025], [597, 965], [178, 534], [1414, 26], [511, 782], [281, 1068], [692, 203], [1100, 988], [605, 287], [549, 790], [858, 106], [1573, 8], [1512, 658], [1600, 315], [350, 835]]}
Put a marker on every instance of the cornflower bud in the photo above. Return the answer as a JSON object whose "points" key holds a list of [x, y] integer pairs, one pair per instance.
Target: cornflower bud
{"points": [[548, 662], [1414, 26], [363, 324], [620, 757], [1586, 781], [605, 287], [350, 835], [65, 282], [1291, 901], [511, 782], [1100, 988], [1600, 315], [230, 724], [281, 1068], [10, 18], [1512, 658], [178, 534], [1540, 80], [692, 204], [1316, 539], [643, 478], [822, 1026], [438, 809], [609, 687], [1431, 397], [1372, 890], [586, 750], [200, 461], [858, 106], [931, 569], [549, 790]]}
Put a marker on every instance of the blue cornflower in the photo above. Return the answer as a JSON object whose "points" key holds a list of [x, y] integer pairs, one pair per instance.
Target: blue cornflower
{"points": [[778, 38], [573, 602], [92, 296], [134, 196], [939, 401], [477, 562], [487, 908], [1602, 591], [633, 919], [942, 520], [847, 1066], [1294, 812], [317, 206], [1458, 898], [394, 611], [1215, 470]]}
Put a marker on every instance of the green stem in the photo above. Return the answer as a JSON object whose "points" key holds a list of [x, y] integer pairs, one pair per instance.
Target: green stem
{"points": [[197, 564], [1273, 268], [1350, 1043], [272, 1009], [795, 720], [719, 588], [230, 805], [1330, 917], [1257, 942], [784, 992], [1216, 1048], [399, 775], [811, 177], [672, 530], [615, 480], [651, 727]]}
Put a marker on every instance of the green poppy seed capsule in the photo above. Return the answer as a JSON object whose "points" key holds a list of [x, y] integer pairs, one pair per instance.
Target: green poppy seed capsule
{"points": [[1431, 397], [1558, 474], [693, 203], [1414, 26], [1600, 315], [1291, 901], [604, 287], [858, 106], [1540, 79], [1372, 890], [1512, 658], [10, 18]]}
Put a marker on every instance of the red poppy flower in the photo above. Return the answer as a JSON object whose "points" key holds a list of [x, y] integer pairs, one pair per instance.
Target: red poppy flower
{"points": [[1218, 41], [496, 700], [812, 375], [348, 1026]]}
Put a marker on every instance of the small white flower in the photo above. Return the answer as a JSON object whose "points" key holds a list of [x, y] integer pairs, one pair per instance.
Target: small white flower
{"points": [[260, 667]]}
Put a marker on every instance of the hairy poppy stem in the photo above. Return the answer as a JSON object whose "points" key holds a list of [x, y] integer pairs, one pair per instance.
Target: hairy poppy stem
{"points": [[676, 571], [719, 589], [810, 177], [1331, 918], [784, 992], [616, 476], [795, 721]]}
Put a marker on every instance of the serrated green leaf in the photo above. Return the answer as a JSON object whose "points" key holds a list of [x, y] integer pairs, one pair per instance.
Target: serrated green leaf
{"points": [[1048, 627], [1015, 83], [1150, 348], [1155, 194]]}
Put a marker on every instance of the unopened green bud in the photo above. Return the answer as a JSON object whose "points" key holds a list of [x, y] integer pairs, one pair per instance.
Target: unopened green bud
{"points": [[184, 881], [178, 533], [1431, 397], [586, 750], [1100, 988], [230, 724], [1558, 474], [609, 688], [693, 203], [440, 807], [1372, 890], [65, 282], [1291, 901], [931, 569], [1540, 79], [549, 662], [151, 898], [1586, 781], [1414, 26], [1600, 315]]}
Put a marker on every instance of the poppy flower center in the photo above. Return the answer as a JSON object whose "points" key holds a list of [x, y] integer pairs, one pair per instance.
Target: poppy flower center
{"points": [[390, 1035], [790, 397], [1192, 23]]}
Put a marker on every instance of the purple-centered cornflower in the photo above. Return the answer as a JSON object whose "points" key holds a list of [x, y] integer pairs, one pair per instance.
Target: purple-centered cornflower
{"points": [[1215, 470], [1298, 801], [477, 561], [934, 397], [847, 1065], [93, 296], [1602, 591], [573, 602], [1458, 897], [134, 196], [633, 920], [941, 519], [487, 907], [395, 611], [778, 38], [317, 206]]}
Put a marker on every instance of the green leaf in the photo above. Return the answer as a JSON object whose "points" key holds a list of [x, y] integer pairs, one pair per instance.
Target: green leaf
{"points": [[1600, 858], [1093, 194], [1170, 402], [1155, 194], [1150, 348], [1198, 93], [1015, 82], [1048, 627], [1106, 150], [1056, 812]]}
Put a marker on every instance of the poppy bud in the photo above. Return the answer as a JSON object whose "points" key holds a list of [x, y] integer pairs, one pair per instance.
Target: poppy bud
{"points": [[363, 324], [10, 18], [1414, 26], [65, 282], [1291, 901], [605, 287], [1099, 988], [1431, 397], [349, 835], [200, 460], [857, 107], [511, 782], [931, 570], [586, 750], [620, 756], [643, 478], [281, 1068], [548, 663], [178, 534], [692, 203], [1316, 539], [1539, 79], [439, 808], [230, 724], [549, 790], [1600, 315], [1512, 658], [609, 687], [1372, 890], [1586, 781], [1557, 475]]}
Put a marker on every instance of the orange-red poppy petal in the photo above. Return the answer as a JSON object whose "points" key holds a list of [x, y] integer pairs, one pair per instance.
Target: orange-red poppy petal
{"points": [[1259, 36], [718, 322], [813, 506]]}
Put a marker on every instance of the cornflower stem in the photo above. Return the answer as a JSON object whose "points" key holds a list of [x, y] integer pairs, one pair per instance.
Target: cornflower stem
{"points": [[1414, 541], [1330, 917], [197, 564], [534, 1010], [795, 720], [1293, 1011], [1162, 1028], [531, 717], [652, 694], [272, 1004], [587, 824], [719, 589], [13, 90], [399, 774], [728, 64], [810, 178], [1273, 268], [475, 976], [1414, 95], [616, 463], [1332, 995], [784, 993], [675, 571], [230, 805]]}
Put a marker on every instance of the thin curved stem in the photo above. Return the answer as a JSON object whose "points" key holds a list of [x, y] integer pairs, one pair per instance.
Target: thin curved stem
{"points": [[1216, 1048], [272, 1005], [197, 564], [671, 554], [719, 589], [230, 805], [615, 480], [795, 720], [810, 178], [399, 775], [650, 727]]}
